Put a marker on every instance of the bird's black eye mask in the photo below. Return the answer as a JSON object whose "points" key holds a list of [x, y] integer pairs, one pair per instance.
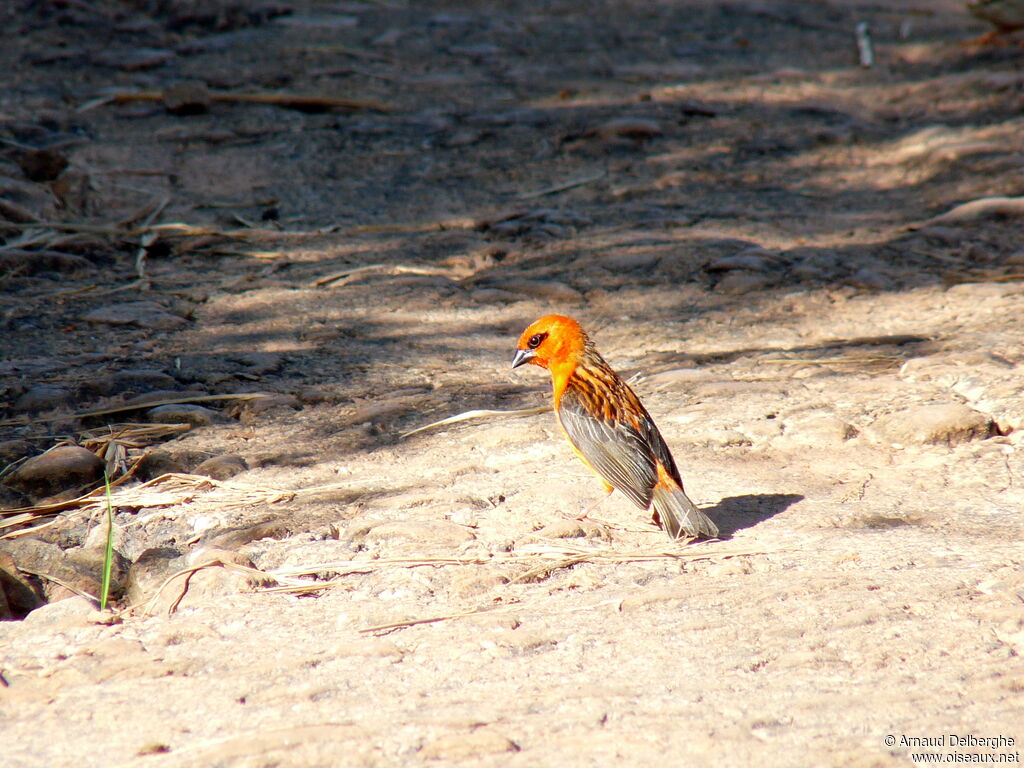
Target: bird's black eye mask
{"points": [[536, 340]]}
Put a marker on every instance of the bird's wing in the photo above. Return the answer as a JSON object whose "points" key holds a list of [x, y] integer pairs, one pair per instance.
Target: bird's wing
{"points": [[615, 449]]}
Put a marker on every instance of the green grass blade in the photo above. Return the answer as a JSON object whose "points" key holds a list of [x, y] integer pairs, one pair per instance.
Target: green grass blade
{"points": [[108, 557]]}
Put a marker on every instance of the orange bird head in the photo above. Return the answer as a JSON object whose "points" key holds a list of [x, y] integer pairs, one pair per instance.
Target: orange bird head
{"points": [[553, 342]]}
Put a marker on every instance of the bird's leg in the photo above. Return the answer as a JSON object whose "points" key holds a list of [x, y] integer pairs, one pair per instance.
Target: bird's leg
{"points": [[593, 505]]}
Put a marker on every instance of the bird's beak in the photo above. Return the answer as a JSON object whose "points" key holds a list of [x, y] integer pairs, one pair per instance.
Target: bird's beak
{"points": [[523, 356]]}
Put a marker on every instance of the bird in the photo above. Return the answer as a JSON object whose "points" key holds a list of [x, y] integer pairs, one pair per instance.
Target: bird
{"points": [[1005, 15], [608, 427]]}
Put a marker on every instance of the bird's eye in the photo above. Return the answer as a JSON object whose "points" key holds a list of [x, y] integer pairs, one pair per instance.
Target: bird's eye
{"points": [[536, 340]]}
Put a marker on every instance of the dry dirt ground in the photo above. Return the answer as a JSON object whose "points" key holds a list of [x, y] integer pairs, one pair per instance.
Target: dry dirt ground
{"points": [[762, 232]]}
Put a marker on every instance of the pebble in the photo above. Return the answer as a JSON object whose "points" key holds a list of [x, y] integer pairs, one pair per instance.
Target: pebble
{"points": [[870, 280], [133, 380], [259, 363], [184, 413], [438, 533], [573, 529], [462, 746], [18, 596], [12, 450], [222, 467], [159, 395], [549, 290], [494, 296], [59, 469], [32, 555], [740, 282], [630, 128], [753, 259], [266, 405], [43, 397], [947, 424], [157, 463], [143, 314], [63, 615], [149, 571]]}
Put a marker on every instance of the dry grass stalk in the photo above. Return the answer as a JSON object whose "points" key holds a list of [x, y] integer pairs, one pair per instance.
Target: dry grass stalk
{"points": [[551, 558], [478, 414], [187, 574]]}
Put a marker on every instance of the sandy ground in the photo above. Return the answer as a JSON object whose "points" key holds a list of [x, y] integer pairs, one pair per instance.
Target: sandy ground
{"points": [[752, 226]]}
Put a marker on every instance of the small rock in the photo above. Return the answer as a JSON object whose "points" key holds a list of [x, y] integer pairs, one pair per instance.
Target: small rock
{"points": [[740, 282], [149, 571], [234, 538], [259, 363], [820, 430], [12, 450], [62, 615], [368, 646], [143, 314], [461, 746], [43, 397], [948, 424], [630, 128], [140, 380], [187, 98], [494, 296], [266, 406], [59, 469], [549, 290], [42, 164], [222, 467], [18, 596], [40, 557], [438, 533], [574, 529], [651, 596], [627, 262], [138, 59], [163, 394], [184, 413], [157, 463], [753, 259], [869, 280]]}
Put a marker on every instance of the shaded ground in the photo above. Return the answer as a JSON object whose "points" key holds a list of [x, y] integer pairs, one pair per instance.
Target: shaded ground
{"points": [[749, 223]]}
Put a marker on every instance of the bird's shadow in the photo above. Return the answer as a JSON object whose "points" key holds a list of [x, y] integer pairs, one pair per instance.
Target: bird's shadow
{"points": [[734, 513]]}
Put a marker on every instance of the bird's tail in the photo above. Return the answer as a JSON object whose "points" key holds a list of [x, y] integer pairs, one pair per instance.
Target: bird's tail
{"points": [[678, 515]]}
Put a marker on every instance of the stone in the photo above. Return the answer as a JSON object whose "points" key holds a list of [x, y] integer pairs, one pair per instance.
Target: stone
{"points": [[266, 406], [185, 413], [18, 595], [63, 615], [135, 380], [739, 282], [222, 467], [259, 363], [12, 450], [156, 463], [629, 128], [549, 290], [438, 533], [568, 528], [945, 424], [142, 314], [59, 469], [59, 576], [42, 164], [42, 397], [870, 280], [149, 571], [462, 746]]}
